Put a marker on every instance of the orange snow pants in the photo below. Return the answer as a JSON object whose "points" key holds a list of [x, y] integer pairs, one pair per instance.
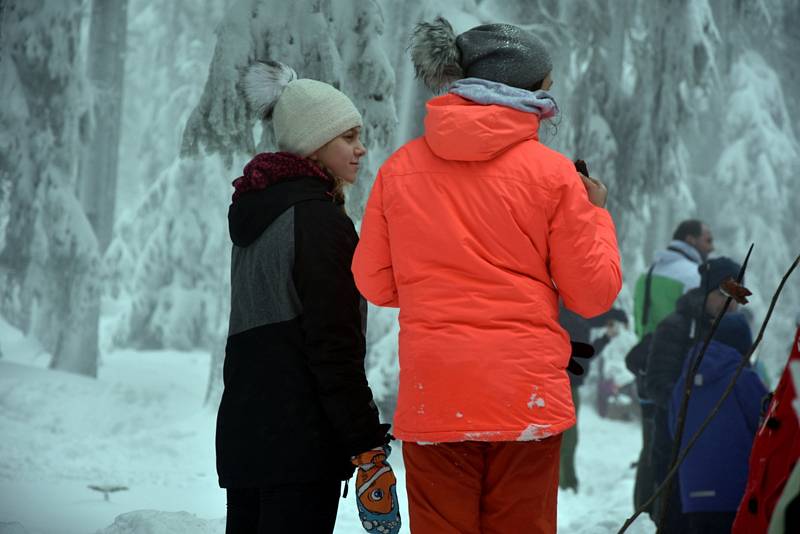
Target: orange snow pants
{"points": [[480, 487]]}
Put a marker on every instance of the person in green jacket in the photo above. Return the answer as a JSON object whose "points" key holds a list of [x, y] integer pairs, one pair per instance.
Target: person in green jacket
{"points": [[672, 274]]}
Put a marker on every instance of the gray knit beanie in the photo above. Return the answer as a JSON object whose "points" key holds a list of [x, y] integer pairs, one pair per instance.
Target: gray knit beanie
{"points": [[497, 52], [504, 53], [306, 114]]}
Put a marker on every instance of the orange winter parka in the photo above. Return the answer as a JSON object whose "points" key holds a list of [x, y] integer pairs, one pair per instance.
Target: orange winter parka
{"points": [[474, 231]]}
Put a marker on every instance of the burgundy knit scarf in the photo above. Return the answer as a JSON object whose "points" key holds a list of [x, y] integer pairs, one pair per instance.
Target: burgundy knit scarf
{"points": [[269, 168]]}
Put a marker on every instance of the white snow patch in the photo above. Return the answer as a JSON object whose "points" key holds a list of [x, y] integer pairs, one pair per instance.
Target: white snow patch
{"points": [[480, 436], [163, 523], [535, 432], [19, 348], [535, 399]]}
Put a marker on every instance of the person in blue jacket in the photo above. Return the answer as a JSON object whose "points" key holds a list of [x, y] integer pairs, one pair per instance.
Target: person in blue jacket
{"points": [[713, 476]]}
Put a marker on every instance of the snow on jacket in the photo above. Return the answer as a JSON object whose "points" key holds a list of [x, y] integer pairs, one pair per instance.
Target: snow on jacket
{"points": [[296, 405], [474, 230], [776, 450], [674, 273], [714, 473]]}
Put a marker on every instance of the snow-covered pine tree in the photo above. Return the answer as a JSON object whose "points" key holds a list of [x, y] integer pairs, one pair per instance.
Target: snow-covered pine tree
{"points": [[165, 276], [166, 61], [49, 263], [752, 186], [659, 89], [173, 248], [742, 159]]}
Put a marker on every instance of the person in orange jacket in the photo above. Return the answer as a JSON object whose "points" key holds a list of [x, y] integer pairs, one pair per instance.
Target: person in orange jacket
{"points": [[474, 230]]}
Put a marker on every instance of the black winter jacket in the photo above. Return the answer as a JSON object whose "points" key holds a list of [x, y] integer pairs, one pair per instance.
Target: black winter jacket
{"points": [[673, 337], [296, 405]]}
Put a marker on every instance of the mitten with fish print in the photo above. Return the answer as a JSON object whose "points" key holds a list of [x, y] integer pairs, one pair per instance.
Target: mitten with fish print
{"points": [[376, 492]]}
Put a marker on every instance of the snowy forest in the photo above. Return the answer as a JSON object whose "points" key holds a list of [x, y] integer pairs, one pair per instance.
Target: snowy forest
{"points": [[122, 125]]}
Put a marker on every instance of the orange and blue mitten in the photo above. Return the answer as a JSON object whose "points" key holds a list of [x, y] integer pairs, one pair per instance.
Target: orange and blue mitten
{"points": [[376, 492]]}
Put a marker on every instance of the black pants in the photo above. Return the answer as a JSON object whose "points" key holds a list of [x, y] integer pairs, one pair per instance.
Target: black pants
{"points": [[568, 477], [661, 455], [279, 510], [711, 522]]}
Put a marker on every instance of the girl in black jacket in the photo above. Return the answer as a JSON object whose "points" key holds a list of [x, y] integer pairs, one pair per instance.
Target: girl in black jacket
{"points": [[296, 407]]}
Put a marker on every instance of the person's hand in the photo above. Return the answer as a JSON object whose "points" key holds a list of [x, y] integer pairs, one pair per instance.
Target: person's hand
{"points": [[597, 191], [376, 492], [579, 350]]}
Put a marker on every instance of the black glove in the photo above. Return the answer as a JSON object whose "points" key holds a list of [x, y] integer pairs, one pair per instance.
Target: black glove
{"points": [[579, 350]]}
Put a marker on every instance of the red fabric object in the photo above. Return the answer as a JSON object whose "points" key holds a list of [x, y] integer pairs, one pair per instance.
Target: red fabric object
{"points": [[481, 487], [775, 452], [268, 168]]}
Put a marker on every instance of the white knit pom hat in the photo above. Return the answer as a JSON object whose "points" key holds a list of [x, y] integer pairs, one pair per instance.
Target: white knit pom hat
{"points": [[306, 114]]}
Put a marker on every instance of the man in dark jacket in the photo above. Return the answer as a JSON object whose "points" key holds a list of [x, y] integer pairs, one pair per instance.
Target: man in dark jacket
{"points": [[673, 337], [672, 274]]}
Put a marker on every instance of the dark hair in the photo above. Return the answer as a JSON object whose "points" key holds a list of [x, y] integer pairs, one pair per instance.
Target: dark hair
{"points": [[537, 85], [690, 227]]}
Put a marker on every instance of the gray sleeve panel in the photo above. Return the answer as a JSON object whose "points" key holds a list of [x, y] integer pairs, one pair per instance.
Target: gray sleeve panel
{"points": [[262, 288]]}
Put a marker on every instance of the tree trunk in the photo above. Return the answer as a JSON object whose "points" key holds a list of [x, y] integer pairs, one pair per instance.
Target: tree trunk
{"points": [[49, 263], [106, 69]]}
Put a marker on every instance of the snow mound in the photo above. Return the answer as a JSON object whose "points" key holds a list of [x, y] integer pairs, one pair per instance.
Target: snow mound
{"points": [[133, 424], [155, 522], [12, 528]]}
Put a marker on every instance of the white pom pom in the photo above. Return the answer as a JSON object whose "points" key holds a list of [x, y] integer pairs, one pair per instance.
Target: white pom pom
{"points": [[263, 84]]}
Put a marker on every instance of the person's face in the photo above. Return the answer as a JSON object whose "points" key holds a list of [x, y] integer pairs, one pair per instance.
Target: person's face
{"points": [[341, 155], [716, 300], [704, 243], [547, 83]]}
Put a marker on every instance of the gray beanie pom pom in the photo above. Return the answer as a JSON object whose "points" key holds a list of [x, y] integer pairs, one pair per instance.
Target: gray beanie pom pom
{"points": [[435, 54], [264, 83]]}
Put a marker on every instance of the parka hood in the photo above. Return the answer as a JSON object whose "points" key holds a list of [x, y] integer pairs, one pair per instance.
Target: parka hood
{"points": [[252, 212], [461, 130]]}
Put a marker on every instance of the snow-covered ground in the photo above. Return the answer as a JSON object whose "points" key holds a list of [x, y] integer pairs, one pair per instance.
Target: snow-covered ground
{"points": [[142, 425]]}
